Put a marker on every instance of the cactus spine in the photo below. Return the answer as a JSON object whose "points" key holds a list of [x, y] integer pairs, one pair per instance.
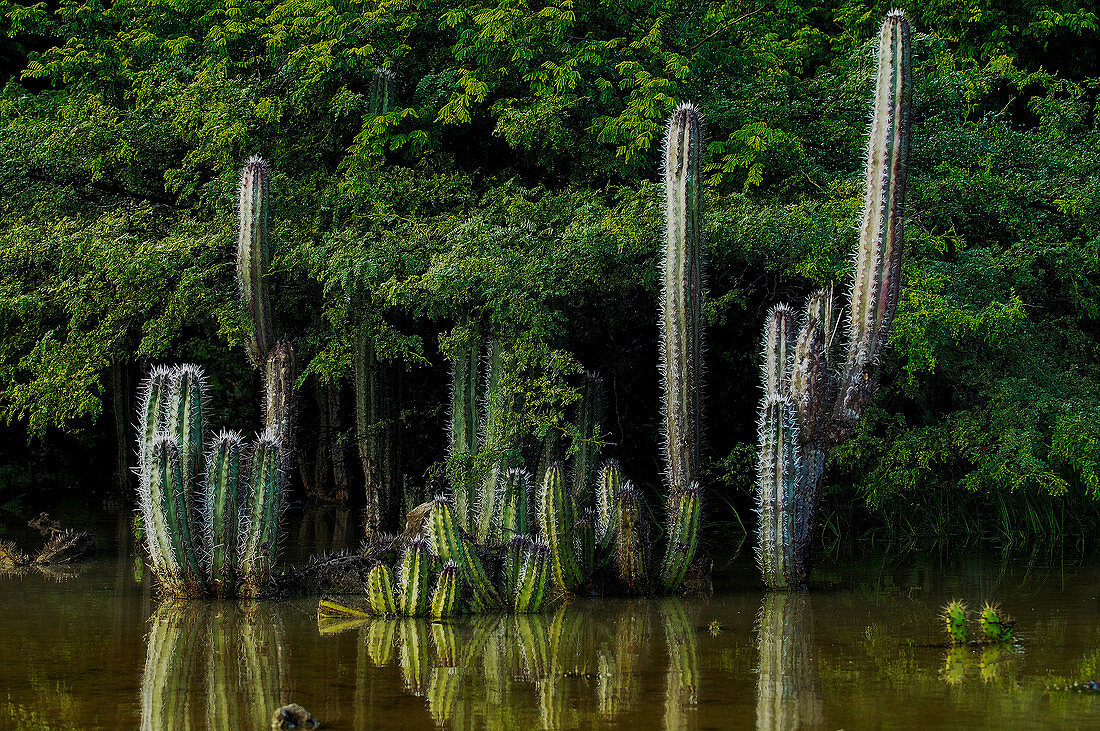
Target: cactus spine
{"points": [[808, 405], [954, 620]]}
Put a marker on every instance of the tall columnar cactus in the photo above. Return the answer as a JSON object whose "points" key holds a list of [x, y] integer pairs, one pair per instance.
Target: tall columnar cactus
{"points": [[463, 433], [376, 406], [496, 441], [557, 521], [380, 97], [589, 432], [681, 333], [226, 544], [682, 297], [810, 404], [254, 256]]}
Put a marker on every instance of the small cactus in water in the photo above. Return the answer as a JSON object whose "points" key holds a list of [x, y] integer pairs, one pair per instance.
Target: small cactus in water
{"points": [[380, 590], [955, 622], [557, 520], [996, 626], [445, 594]]}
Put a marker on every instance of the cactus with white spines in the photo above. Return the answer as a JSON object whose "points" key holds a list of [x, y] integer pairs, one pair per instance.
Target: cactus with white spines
{"points": [[381, 97], [254, 256], [463, 434], [209, 532], [811, 403], [682, 297]]}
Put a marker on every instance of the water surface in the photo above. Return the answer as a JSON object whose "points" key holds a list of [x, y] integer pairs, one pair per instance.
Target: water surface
{"points": [[93, 648]]}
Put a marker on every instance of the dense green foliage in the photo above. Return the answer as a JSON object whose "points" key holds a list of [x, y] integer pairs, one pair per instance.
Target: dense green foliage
{"points": [[513, 181]]}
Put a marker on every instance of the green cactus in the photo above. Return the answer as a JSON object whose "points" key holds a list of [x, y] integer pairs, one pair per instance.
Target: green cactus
{"points": [[376, 407], [445, 594], [380, 97], [995, 626], [954, 619], [810, 404], [463, 433], [682, 297], [185, 423], [513, 505], [179, 560], [279, 375], [259, 539], [380, 590], [254, 256], [607, 489], [496, 441], [586, 452], [449, 544], [632, 541], [221, 498], [683, 540], [532, 578], [413, 579], [557, 519]]}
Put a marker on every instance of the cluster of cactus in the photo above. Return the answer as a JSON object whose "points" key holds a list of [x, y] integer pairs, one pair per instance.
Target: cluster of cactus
{"points": [[211, 531], [215, 531], [995, 626], [440, 573], [597, 520], [811, 402]]}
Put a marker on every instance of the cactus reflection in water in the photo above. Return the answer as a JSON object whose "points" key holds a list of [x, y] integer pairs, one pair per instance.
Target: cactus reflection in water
{"points": [[812, 401], [538, 671], [786, 690], [212, 665]]}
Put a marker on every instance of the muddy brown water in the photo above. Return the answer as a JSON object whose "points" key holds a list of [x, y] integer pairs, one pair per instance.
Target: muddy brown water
{"points": [[92, 647]]}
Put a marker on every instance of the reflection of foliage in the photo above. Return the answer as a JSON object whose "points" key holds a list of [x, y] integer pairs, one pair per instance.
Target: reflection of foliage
{"points": [[214, 665]]}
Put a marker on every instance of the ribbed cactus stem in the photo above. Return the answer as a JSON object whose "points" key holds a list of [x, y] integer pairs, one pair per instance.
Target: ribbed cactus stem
{"points": [[449, 544], [380, 97], [445, 594], [260, 516], [557, 515], [812, 381], [607, 489], [877, 281], [413, 581], [683, 539], [152, 415], [186, 400], [533, 580], [380, 590], [632, 541], [682, 296], [496, 441], [777, 550], [184, 576], [513, 503], [254, 256], [586, 453], [464, 433], [221, 497]]}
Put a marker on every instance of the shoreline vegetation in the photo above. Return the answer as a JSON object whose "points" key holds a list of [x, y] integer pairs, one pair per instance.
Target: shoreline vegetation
{"points": [[446, 175]]}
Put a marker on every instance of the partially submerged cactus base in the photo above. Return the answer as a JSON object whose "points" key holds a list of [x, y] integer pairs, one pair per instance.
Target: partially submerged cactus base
{"points": [[226, 544], [810, 401]]}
